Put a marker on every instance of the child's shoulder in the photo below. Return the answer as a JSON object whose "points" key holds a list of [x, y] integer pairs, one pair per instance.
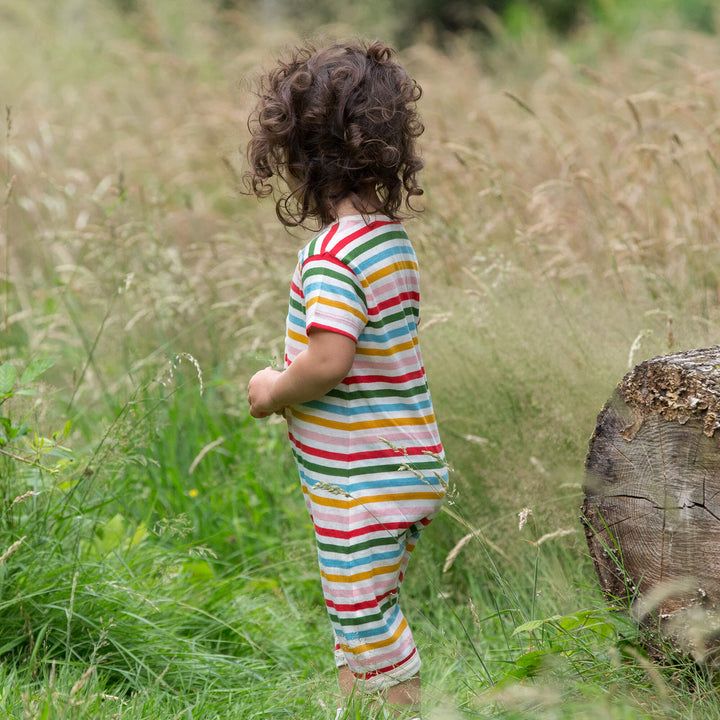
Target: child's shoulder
{"points": [[354, 235]]}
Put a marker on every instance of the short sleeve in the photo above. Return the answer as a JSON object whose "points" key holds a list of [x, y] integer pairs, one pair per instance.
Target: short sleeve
{"points": [[334, 298]]}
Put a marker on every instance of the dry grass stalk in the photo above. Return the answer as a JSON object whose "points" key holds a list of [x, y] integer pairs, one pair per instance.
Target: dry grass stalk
{"points": [[11, 550], [80, 684]]}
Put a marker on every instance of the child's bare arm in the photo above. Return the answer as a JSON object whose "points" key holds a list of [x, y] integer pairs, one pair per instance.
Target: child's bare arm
{"points": [[313, 373]]}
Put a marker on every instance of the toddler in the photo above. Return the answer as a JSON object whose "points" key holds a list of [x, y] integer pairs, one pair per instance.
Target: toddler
{"points": [[337, 126]]}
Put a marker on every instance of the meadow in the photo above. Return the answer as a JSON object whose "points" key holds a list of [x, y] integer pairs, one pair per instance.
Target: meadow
{"points": [[156, 558]]}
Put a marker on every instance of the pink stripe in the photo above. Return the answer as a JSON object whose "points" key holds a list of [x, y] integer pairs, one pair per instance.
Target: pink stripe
{"points": [[396, 438], [387, 289], [335, 448], [350, 590], [392, 666], [359, 515], [404, 647]]}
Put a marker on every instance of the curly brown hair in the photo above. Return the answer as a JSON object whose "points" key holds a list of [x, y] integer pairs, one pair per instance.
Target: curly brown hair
{"points": [[336, 123]]}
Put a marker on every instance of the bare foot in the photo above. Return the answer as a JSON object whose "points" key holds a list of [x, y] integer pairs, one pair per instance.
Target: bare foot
{"points": [[402, 699]]}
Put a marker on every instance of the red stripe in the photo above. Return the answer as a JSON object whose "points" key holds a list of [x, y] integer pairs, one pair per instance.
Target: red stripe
{"points": [[391, 379], [361, 531], [362, 231], [328, 237], [381, 671], [328, 257], [365, 605], [397, 300]]}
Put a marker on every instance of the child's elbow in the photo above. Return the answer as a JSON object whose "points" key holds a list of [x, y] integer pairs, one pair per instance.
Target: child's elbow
{"points": [[339, 366]]}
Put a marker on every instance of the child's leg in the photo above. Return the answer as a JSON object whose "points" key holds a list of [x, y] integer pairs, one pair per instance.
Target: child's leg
{"points": [[364, 543], [403, 698], [401, 694]]}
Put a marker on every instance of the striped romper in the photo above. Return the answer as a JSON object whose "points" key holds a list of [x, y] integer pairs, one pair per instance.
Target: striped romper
{"points": [[368, 453]]}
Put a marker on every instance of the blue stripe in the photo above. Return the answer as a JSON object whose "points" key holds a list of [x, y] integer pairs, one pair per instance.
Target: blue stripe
{"points": [[384, 629], [297, 321], [328, 290], [385, 338], [404, 253], [358, 562], [374, 408], [410, 481]]}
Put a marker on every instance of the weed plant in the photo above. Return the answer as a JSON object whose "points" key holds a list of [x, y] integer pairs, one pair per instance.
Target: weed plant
{"points": [[156, 557]]}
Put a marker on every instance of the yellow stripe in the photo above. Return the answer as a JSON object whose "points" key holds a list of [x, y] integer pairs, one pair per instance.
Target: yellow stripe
{"points": [[400, 265], [336, 304], [365, 575], [379, 643], [367, 500], [362, 424], [297, 337], [409, 345]]}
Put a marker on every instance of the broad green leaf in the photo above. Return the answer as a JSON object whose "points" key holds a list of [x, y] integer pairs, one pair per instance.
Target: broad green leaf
{"points": [[111, 534], [35, 369], [527, 665], [528, 626], [587, 621], [532, 660], [140, 534], [8, 374], [534, 624], [60, 452], [604, 630], [570, 622], [18, 431], [199, 570]]}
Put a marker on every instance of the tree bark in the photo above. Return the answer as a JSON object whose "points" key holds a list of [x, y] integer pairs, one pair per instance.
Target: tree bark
{"points": [[652, 497]]}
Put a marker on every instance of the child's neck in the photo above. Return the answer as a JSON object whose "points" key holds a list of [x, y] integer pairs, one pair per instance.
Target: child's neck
{"points": [[347, 207]]}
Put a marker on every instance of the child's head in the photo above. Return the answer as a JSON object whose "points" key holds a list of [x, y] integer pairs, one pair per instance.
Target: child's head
{"points": [[336, 123]]}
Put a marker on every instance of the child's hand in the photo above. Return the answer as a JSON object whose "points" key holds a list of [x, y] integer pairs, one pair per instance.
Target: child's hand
{"points": [[260, 395]]}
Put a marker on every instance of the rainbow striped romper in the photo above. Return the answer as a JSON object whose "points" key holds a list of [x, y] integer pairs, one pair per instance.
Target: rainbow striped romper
{"points": [[369, 453]]}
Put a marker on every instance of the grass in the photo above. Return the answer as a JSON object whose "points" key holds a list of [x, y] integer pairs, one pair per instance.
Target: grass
{"points": [[156, 557]]}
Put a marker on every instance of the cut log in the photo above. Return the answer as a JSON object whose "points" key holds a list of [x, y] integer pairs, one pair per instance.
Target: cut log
{"points": [[652, 497]]}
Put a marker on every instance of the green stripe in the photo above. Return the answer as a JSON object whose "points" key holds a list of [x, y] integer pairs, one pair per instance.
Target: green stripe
{"points": [[349, 395], [395, 317], [375, 617], [357, 547], [367, 470], [326, 272], [369, 244], [311, 246]]}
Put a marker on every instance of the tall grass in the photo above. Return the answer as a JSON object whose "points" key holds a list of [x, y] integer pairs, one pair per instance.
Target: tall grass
{"points": [[159, 559]]}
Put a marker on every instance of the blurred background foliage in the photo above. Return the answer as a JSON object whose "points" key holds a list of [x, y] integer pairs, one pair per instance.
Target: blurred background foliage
{"points": [[407, 21]]}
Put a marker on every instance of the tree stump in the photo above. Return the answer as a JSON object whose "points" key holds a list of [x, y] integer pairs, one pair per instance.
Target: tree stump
{"points": [[652, 498]]}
